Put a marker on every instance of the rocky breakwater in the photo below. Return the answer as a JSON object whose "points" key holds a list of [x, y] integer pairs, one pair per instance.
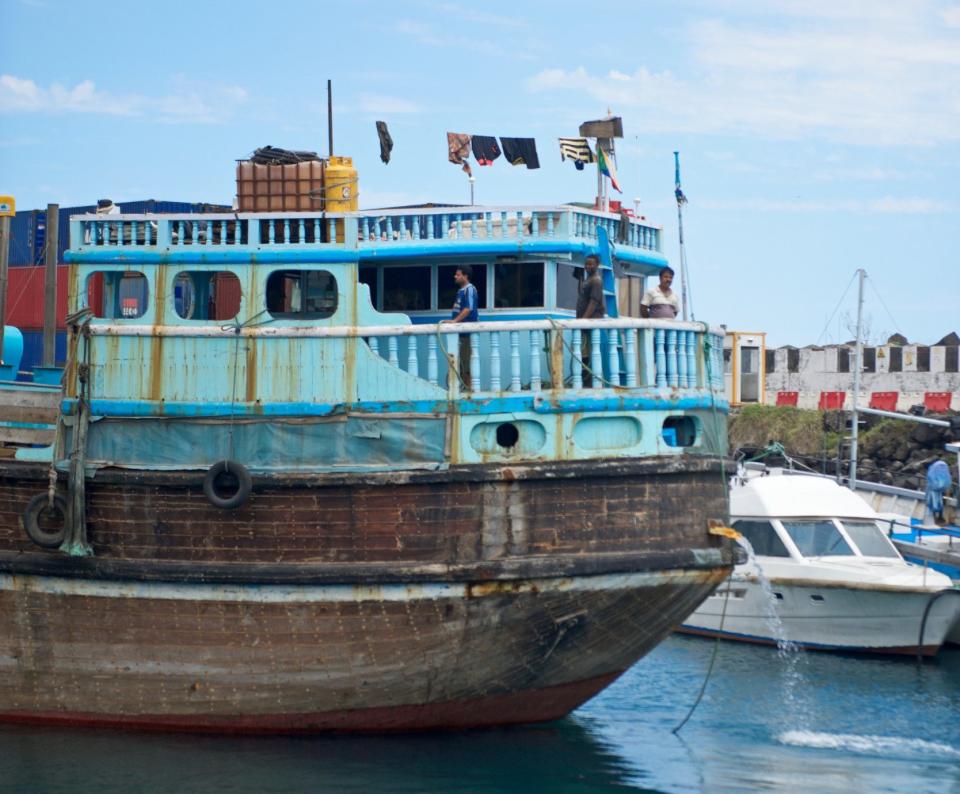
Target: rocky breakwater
{"points": [[890, 451]]}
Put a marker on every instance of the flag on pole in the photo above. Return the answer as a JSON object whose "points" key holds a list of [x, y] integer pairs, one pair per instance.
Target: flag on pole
{"points": [[681, 199], [607, 168]]}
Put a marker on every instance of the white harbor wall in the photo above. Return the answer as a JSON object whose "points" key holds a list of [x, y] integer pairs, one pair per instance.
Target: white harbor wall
{"points": [[911, 372]]}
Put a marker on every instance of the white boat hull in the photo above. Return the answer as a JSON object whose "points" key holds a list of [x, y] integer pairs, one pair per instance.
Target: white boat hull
{"points": [[825, 616]]}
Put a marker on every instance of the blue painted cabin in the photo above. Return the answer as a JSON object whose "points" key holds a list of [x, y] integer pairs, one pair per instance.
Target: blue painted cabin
{"points": [[310, 342]]}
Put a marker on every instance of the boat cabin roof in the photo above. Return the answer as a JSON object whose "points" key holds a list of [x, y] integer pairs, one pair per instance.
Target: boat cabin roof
{"points": [[777, 495]]}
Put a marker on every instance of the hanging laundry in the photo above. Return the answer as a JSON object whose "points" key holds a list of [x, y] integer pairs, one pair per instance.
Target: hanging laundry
{"points": [[485, 149], [607, 168], [520, 151], [386, 142], [458, 146], [576, 149]]}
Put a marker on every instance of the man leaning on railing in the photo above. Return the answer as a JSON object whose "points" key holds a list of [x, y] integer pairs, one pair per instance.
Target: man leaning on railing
{"points": [[590, 305], [464, 311]]}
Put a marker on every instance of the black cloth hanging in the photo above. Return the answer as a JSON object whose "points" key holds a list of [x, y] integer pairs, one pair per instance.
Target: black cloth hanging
{"points": [[485, 149], [386, 142], [520, 151]]}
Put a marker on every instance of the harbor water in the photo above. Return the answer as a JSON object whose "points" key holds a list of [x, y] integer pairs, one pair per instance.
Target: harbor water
{"points": [[819, 723]]}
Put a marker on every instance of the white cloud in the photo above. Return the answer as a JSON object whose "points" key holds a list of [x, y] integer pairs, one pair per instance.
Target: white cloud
{"points": [[839, 75], [189, 103], [951, 16]]}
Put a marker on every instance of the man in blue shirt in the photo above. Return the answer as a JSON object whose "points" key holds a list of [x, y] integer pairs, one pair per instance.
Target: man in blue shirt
{"points": [[465, 311]]}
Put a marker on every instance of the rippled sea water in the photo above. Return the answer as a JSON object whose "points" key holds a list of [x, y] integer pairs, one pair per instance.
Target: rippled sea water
{"points": [[826, 723]]}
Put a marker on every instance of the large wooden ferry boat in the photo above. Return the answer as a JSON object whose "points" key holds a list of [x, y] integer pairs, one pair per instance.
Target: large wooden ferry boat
{"points": [[271, 504]]}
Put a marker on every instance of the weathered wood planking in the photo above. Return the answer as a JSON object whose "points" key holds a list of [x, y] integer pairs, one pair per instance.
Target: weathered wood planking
{"points": [[28, 406]]}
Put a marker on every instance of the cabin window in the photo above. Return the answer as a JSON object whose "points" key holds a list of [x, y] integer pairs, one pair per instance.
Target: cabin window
{"points": [[680, 431], [368, 276], [568, 286], [447, 287], [793, 360], [301, 294], [770, 364], [406, 289], [869, 539], [763, 538], [896, 359], [202, 295], [727, 361], [117, 295], [923, 359], [517, 284], [817, 539]]}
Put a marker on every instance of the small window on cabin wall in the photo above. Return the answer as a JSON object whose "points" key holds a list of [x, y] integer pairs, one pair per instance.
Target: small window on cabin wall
{"points": [[202, 295], [406, 289], [301, 294], [368, 276], [727, 360], [568, 286], [869, 359], [770, 360], [447, 287], [923, 359], [117, 295], [517, 284]]}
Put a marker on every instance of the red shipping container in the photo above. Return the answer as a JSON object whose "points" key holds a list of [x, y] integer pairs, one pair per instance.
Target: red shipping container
{"points": [[884, 400], [25, 288]]}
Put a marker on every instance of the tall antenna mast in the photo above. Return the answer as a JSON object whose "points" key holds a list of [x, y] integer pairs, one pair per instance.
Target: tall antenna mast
{"points": [[684, 276], [330, 116]]}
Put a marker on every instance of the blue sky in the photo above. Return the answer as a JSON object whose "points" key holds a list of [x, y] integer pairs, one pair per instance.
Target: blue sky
{"points": [[816, 136]]}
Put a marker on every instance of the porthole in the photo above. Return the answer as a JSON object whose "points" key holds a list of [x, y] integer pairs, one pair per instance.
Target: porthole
{"points": [[507, 435]]}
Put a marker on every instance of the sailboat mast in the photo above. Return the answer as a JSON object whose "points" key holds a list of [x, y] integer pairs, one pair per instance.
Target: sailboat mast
{"points": [[857, 370]]}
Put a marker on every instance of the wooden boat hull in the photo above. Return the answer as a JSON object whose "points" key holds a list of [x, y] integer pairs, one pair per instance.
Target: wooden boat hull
{"points": [[444, 600]]}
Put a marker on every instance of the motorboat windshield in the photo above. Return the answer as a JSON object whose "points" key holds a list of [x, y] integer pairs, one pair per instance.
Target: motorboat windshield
{"points": [[869, 539], [818, 538]]}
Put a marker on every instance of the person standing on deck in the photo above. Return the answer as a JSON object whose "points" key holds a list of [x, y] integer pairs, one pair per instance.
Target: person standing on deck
{"points": [[661, 303], [464, 311], [590, 305]]}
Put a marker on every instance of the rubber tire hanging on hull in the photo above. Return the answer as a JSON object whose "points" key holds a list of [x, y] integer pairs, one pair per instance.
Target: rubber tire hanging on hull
{"points": [[244, 484], [31, 521]]}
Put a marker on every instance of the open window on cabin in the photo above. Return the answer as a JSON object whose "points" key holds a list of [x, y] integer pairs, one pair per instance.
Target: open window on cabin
{"points": [[406, 289], [517, 284], [205, 295], [117, 295], [447, 287], [762, 536], [301, 294]]}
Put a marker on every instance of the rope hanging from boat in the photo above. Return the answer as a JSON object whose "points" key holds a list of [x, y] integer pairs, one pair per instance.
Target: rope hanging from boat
{"points": [[75, 542], [707, 351]]}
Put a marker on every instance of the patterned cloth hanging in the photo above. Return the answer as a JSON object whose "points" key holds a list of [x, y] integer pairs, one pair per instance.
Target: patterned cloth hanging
{"points": [[458, 148], [576, 149]]}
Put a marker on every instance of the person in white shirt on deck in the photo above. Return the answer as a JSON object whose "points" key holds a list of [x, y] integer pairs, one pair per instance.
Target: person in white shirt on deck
{"points": [[661, 302]]}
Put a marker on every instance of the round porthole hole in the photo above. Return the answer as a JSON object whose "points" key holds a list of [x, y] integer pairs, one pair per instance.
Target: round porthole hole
{"points": [[507, 435]]}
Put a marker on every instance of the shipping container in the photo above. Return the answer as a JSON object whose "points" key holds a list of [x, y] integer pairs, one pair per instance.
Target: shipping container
{"points": [[33, 350]]}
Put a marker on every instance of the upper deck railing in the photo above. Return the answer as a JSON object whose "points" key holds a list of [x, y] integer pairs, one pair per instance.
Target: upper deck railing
{"points": [[364, 230]]}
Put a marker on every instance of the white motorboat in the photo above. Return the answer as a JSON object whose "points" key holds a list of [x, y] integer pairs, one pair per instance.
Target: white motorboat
{"points": [[823, 575]]}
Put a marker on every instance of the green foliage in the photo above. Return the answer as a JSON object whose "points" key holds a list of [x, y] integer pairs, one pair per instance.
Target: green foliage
{"points": [[800, 431]]}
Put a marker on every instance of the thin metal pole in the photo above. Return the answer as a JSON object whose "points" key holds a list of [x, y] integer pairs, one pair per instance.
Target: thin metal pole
{"points": [[4, 258], [683, 253], [471, 180], [330, 116], [51, 248], [858, 368]]}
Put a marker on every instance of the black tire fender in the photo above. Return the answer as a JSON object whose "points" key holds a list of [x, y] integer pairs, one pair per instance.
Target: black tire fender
{"points": [[214, 493], [31, 520]]}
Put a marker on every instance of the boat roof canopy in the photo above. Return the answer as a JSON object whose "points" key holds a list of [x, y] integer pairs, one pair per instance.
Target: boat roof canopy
{"points": [[797, 496]]}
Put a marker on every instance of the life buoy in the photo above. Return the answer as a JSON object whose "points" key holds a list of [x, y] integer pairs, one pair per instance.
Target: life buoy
{"points": [[227, 484], [43, 536]]}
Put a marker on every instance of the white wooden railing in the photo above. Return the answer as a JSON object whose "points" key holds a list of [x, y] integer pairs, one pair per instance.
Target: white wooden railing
{"points": [[357, 230]]}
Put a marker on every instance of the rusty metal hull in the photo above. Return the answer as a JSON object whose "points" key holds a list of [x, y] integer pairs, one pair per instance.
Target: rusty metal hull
{"points": [[477, 596]]}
